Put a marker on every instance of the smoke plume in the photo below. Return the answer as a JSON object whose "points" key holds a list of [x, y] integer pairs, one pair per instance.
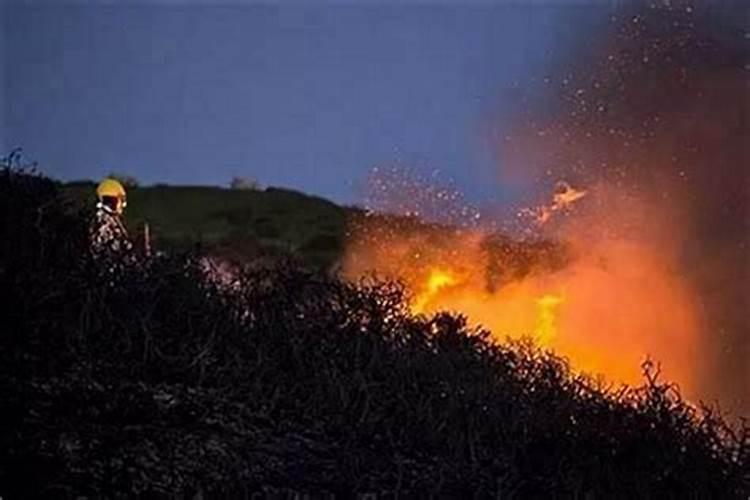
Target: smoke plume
{"points": [[654, 126]]}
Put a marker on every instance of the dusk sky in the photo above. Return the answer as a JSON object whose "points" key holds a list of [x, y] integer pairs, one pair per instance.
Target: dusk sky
{"points": [[304, 97]]}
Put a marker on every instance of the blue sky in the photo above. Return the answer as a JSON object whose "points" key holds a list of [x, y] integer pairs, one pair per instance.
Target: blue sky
{"points": [[305, 97]]}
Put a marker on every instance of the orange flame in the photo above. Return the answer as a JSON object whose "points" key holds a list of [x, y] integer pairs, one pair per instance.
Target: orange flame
{"points": [[546, 322], [610, 301], [563, 198], [437, 280]]}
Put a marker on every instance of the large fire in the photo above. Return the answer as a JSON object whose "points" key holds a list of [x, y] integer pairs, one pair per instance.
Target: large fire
{"points": [[437, 280], [604, 299], [643, 247], [440, 282]]}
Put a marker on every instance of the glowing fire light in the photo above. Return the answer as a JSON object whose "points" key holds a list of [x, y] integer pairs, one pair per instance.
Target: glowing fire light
{"points": [[546, 329], [564, 197], [440, 281], [623, 299], [437, 280]]}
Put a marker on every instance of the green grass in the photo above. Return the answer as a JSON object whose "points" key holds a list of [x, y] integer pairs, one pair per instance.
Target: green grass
{"points": [[235, 221]]}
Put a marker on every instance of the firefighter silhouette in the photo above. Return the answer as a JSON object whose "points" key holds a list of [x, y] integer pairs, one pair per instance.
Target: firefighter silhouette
{"points": [[108, 233]]}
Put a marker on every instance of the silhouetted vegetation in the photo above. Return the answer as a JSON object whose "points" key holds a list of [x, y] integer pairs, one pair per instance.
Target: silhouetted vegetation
{"points": [[155, 380]]}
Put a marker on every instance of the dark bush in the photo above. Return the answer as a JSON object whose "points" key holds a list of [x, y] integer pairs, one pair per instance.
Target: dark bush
{"points": [[155, 380]]}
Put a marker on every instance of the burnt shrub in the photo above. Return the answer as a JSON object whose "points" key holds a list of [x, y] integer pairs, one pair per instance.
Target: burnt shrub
{"points": [[154, 379]]}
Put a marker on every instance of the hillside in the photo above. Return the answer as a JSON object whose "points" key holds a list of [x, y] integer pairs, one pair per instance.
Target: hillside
{"points": [[238, 222], [142, 377]]}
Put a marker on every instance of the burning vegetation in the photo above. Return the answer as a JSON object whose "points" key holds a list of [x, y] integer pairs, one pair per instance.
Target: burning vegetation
{"points": [[605, 302], [641, 248], [154, 381]]}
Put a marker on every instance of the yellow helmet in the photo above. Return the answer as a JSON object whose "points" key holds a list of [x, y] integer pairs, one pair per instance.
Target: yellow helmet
{"points": [[111, 195]]}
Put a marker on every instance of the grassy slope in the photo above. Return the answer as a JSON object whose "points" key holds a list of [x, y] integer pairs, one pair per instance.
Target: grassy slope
{"points": [[241, 222]]}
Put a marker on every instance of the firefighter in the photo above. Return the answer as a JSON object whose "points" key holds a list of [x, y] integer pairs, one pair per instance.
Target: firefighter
{"points": [[108, 233]]}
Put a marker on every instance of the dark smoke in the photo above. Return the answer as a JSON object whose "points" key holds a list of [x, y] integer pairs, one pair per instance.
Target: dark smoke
{"points": [[661, 110]]}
